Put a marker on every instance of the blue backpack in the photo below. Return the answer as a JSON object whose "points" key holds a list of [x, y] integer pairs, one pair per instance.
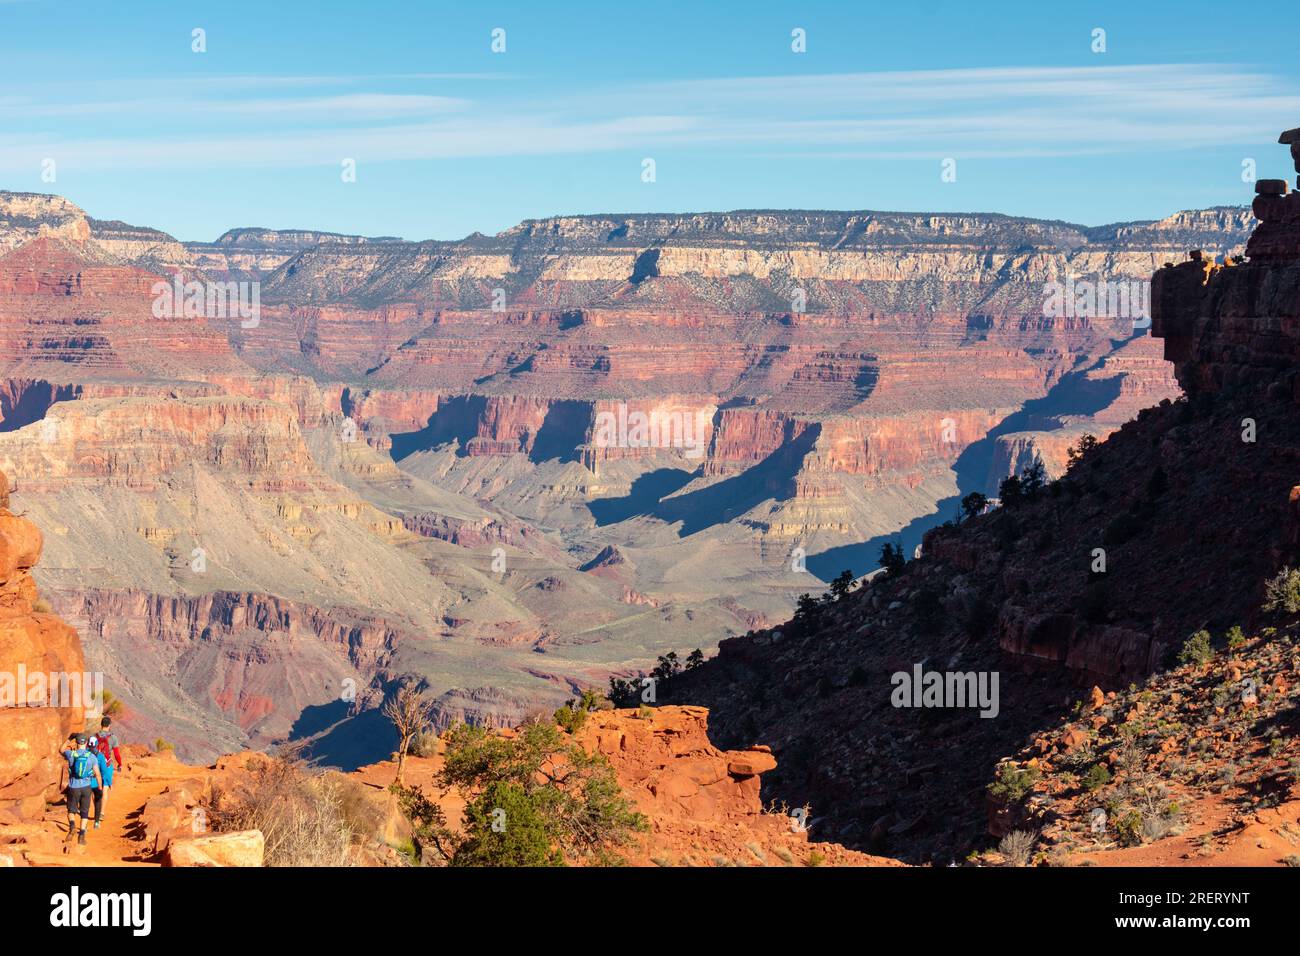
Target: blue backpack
{"points": [[82, 765]]}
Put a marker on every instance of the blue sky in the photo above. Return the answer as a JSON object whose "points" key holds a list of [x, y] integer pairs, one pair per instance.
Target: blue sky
{"points": [[449, 137]]}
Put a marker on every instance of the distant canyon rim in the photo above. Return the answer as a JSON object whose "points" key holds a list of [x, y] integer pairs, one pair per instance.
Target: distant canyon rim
{"points": [[514, 465]]}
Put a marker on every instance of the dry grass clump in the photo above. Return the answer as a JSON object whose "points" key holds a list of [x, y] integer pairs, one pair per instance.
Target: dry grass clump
{"points": [[306, 819]]}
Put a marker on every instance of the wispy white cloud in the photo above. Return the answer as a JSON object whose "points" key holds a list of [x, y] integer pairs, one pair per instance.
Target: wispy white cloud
{"points": [[521, 137], [335, 108], [1031, 111]]}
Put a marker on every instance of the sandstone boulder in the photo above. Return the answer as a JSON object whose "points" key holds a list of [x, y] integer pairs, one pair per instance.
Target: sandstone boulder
{"points": [[168, 817], [750, 763], [1073, 738], [245, 848]]}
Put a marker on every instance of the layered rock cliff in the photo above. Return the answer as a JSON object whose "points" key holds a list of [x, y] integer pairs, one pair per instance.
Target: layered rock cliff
{"points": [[434, 439]]}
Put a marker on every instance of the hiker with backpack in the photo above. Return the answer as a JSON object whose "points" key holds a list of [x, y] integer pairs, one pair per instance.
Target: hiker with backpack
{"points": [[82, 775], [100, 793], [108, 744]]}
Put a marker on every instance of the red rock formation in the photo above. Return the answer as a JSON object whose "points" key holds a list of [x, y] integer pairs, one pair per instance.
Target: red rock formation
{"points": [[38, 651], [704, 804], [610, 562], [254, 660], [138, 440], [1234, 325], [480, 532], [65, 314]]}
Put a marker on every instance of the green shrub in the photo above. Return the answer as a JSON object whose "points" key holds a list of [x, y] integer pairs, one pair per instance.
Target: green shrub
{"points": [[842, 584], [409, 852], [973, 504], [1013, 784], [1032, 479], [1197, 650], [1096, 778], [428, 823], [504, 827], [534, 799], [626, 692], [666, 668], [1010, 492], [571, 718], [1128, 828], [806, 606], [1236, 638], [1282, 592]]}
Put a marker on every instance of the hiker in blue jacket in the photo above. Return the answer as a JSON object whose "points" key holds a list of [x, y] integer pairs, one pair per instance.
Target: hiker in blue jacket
{"points": [[100, 793], [83, 776]]}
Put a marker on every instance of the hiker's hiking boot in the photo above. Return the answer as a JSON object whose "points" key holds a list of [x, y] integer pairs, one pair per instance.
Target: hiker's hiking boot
{"points": [[81, 838], [96, 824], [72, 831]]}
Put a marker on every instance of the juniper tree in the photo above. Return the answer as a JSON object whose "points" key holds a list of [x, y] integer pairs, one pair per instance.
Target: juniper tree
{"points": [[892, 558], [842, 584], [973, 504]]}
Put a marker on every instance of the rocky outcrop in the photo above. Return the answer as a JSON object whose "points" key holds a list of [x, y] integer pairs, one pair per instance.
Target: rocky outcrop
{"points": [[704, 804], [28, 216], [138, 440], [477, 532], [1234, 325], [610, 562]]}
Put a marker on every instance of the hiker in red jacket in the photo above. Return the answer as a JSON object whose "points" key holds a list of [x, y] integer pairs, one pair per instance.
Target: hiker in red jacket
{"points": [[108, 744]]}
